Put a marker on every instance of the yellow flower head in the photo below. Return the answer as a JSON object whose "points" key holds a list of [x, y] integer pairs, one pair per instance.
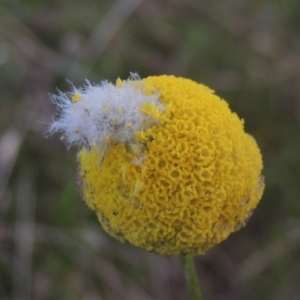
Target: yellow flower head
{"points": [[167, 165]]}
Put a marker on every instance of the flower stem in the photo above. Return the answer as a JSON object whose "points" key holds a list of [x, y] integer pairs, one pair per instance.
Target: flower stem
{"points": [[191, 277]]}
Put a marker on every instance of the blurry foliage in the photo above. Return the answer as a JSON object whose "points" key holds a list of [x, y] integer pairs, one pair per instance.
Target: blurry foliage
{"points": [[51, 245]]}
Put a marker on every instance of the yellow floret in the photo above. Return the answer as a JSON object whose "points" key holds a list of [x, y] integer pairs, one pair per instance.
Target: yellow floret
{"points": [[198, 181], [76, 97], [119, 82]]}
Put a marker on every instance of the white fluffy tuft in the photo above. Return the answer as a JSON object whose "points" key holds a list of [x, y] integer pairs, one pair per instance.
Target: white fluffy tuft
{"points": [[103, 113]]}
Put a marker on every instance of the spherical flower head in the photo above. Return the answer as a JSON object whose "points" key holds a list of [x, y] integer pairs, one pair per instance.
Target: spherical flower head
{"points": [[165, 164]]}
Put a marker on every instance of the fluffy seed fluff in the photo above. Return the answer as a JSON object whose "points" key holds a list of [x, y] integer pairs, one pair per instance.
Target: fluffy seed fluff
{"points": [[96, 115]]}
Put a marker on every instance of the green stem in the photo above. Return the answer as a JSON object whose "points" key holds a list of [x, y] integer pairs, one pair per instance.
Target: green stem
{"points": [[191, 277]]}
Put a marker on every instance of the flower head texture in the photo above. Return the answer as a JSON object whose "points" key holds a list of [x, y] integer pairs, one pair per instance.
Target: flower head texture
{"points": [[164, 162]]}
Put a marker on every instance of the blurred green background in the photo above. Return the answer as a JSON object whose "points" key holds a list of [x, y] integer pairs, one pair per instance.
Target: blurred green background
{"points": [[51, 245]]}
